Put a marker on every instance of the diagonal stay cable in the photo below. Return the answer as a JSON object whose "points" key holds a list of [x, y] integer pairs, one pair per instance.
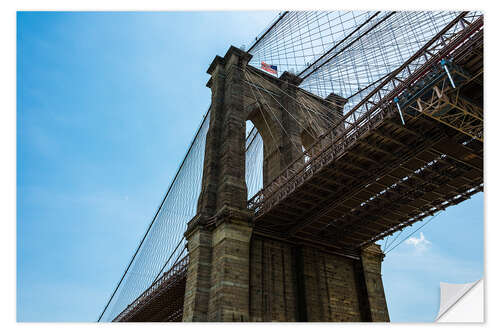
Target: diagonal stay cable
{"points": [[305, 129], [334, 47], [268, 30], [393, 240], [166, 262], [299, 102], [271, 112], [264, 117], [423, 225]]}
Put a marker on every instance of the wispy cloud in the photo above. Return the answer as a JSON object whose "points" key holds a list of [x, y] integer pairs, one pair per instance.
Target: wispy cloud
{"points": [[419, 243]]}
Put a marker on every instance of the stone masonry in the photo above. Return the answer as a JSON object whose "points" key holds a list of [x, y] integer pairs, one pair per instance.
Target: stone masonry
{"points": [[235, 274]]}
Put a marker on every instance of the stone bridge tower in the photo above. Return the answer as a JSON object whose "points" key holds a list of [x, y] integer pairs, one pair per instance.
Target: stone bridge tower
{"points": [[236, 273]]}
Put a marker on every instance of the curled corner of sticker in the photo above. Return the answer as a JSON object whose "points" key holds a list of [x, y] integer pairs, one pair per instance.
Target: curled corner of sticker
{"points": [[461, 303]]}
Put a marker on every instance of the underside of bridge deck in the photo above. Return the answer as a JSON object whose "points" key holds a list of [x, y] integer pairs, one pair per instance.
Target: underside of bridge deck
{"points": [[389, 177]]}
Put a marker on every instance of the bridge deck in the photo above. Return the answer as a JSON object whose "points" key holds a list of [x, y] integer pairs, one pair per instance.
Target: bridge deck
{"points": [[382, 175], [390, 176]]}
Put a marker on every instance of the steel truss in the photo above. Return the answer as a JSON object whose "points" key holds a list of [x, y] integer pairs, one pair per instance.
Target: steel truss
{"points": [[379, 106], [447, 104]]}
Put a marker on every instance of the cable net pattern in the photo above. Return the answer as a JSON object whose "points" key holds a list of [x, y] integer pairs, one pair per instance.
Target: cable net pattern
{"points": [[347, 52], [301, 37], [164, 241]]}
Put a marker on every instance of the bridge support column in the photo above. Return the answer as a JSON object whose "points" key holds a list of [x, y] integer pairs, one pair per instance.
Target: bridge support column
{"points": [[375, 305], [217, 287], [229, 294], [291, 282], [198, 280]]}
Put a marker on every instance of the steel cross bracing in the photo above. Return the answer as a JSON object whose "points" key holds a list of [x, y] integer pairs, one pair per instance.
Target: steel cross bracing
{"points": [[407, 172], [446, 104]]}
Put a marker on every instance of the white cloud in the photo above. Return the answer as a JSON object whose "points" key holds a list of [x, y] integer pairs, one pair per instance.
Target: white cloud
{"points": [[419, 243]]}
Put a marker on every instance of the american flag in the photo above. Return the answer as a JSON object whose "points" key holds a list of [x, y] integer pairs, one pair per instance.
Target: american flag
{"points": [[269, 68]]}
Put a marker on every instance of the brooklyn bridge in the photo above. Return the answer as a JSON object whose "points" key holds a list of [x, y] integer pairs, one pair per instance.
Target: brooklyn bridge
{"points": [[372, 122]]}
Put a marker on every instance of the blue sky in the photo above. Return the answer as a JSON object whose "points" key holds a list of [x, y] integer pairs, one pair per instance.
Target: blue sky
{"points": [[107, 106], [450, 248]]}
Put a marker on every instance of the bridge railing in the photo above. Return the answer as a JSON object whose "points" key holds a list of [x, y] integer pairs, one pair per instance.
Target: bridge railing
{"points": [[166, 280], [373, 109]]}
